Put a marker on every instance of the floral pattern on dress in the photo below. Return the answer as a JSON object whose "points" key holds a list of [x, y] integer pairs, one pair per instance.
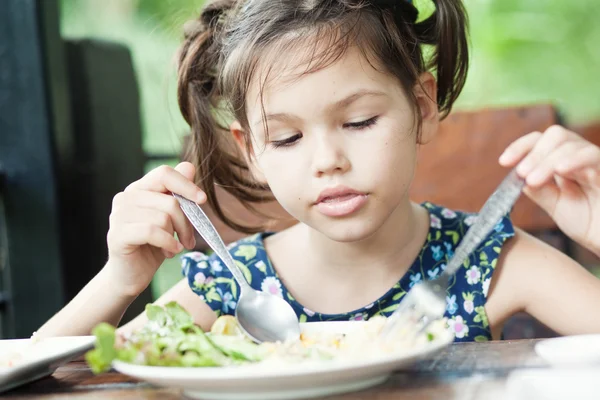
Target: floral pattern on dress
{"points": [[465, 300]]}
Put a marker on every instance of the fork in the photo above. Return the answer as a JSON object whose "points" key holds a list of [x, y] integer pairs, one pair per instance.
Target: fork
{"points": [[426, 301]]}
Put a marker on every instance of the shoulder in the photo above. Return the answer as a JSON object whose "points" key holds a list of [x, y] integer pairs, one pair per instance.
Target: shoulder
{"points": [[244, 250], [468, 289], [530, 276], [248, 253], [452, 225], [210, 279]]}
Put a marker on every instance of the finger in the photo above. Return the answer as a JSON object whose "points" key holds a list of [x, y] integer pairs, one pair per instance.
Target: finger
{"points": [[166, 179], [186, 169], [139, 234], [546, 169], [551, 139], [588, 156], [545, 196], [519, 149], [167, 254], [144, 215], [165, 203]]}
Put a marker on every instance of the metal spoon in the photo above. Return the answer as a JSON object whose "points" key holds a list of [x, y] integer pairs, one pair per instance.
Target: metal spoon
{"points": [[262, 316]]}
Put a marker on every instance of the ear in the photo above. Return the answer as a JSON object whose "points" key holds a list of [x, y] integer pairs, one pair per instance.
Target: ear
{"points": [[426, 93], [241, 138]]}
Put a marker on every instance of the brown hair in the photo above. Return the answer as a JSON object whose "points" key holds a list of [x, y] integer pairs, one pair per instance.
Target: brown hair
{"points": [[224, 47]]}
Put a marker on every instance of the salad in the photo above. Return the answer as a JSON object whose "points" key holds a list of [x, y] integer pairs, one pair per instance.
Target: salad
{"points": [[170, 338]]}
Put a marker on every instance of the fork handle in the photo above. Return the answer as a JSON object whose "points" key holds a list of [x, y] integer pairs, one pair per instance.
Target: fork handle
{"points": [[209, 233], [496, 207]]}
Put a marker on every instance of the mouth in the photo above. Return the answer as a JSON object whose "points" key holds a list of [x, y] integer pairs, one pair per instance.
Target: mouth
{"points": [[340, 201]]}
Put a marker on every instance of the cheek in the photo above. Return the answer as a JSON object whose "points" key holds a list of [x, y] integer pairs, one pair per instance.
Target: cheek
{"points": [[401, 156], [388, 159], [282, 175]]}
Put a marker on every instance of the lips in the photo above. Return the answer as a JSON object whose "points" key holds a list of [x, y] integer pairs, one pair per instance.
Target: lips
{"points": [[340, 201]]}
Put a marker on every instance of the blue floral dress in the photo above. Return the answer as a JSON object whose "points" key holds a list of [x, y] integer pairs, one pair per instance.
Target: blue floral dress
{"points": [[465, 300]]}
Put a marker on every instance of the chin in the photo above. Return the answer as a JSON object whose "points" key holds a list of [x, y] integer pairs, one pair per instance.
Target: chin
{"points": [[347, 230]]}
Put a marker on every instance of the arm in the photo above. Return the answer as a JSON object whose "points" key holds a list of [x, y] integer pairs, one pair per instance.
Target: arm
{"points": [[143, 222], [92, 305], [534, 277]]}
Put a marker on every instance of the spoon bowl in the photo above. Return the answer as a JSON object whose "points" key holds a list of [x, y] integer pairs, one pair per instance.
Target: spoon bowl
{"points": [[262, 316], [266, 318]]}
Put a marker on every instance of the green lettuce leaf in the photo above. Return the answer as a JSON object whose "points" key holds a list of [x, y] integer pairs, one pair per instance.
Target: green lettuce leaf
{"points": [[104, 353]]}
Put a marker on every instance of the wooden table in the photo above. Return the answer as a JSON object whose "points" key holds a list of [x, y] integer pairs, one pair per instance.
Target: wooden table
{"points": [[463, 371]]}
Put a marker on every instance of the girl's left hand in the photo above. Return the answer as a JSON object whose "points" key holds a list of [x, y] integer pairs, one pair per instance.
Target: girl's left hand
{"points": [[562, 174]]}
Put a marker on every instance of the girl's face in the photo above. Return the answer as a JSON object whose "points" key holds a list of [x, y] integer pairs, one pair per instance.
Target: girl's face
{"points": [[342, 144]]}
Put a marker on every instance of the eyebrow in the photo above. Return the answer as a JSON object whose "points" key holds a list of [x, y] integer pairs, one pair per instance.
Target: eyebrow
{"points": [[340, 104]]}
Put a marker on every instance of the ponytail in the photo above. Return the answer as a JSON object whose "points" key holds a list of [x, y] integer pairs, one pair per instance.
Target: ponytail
{"points": [[446, 30], [217, 161]]}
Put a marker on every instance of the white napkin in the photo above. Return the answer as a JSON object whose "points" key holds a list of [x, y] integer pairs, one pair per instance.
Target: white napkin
{"points": [[571, 351], [554, 384]]}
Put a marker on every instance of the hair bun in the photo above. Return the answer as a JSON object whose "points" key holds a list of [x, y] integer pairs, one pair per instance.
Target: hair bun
{"points": [[192, 28], [403, 9], [214, 11]]}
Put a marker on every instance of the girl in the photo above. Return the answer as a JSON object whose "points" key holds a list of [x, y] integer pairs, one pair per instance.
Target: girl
{"points": [[327, 103]]}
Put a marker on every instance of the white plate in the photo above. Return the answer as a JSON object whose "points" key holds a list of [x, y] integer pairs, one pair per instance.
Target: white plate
{"points": [[570, 350], [35, 361], [289, 382]]}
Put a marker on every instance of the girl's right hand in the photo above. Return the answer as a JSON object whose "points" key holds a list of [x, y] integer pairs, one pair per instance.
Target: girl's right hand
{"points": [[143, 221]]}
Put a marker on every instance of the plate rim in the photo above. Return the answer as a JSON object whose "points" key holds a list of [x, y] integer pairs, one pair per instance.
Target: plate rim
{"points": [[251, 371], [82, 344]]}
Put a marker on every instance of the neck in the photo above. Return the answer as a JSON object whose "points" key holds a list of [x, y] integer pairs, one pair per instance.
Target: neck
{"points": [[388, 248]]}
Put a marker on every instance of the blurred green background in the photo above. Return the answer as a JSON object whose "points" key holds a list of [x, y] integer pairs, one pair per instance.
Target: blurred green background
{"points": [[523, 51]]}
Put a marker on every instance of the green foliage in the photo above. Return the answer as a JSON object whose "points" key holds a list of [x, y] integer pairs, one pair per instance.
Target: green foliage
{"points": [[528, 51], [523, 51]]}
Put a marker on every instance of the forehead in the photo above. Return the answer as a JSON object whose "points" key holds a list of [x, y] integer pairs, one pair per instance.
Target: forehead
{"points": [[288, 82]]}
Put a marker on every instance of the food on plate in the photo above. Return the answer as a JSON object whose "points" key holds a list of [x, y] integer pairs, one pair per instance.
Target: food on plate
{"points": [[170, 338]]}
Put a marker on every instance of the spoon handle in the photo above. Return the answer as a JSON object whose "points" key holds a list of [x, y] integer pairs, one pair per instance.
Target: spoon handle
{"points": [[207, 230]]}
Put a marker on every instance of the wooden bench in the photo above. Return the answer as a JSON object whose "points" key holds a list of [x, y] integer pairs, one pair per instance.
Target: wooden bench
{"points": [[459, 168]]}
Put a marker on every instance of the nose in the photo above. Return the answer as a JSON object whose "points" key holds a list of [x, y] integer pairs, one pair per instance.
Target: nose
{"points": [[329, 156]]}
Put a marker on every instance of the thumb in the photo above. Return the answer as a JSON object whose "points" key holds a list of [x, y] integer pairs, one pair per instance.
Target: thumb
{"points": [[186, 169], [545, 196]]}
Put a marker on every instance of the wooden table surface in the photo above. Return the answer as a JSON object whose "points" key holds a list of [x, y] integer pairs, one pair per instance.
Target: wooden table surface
{"points": [[463, 371]]}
